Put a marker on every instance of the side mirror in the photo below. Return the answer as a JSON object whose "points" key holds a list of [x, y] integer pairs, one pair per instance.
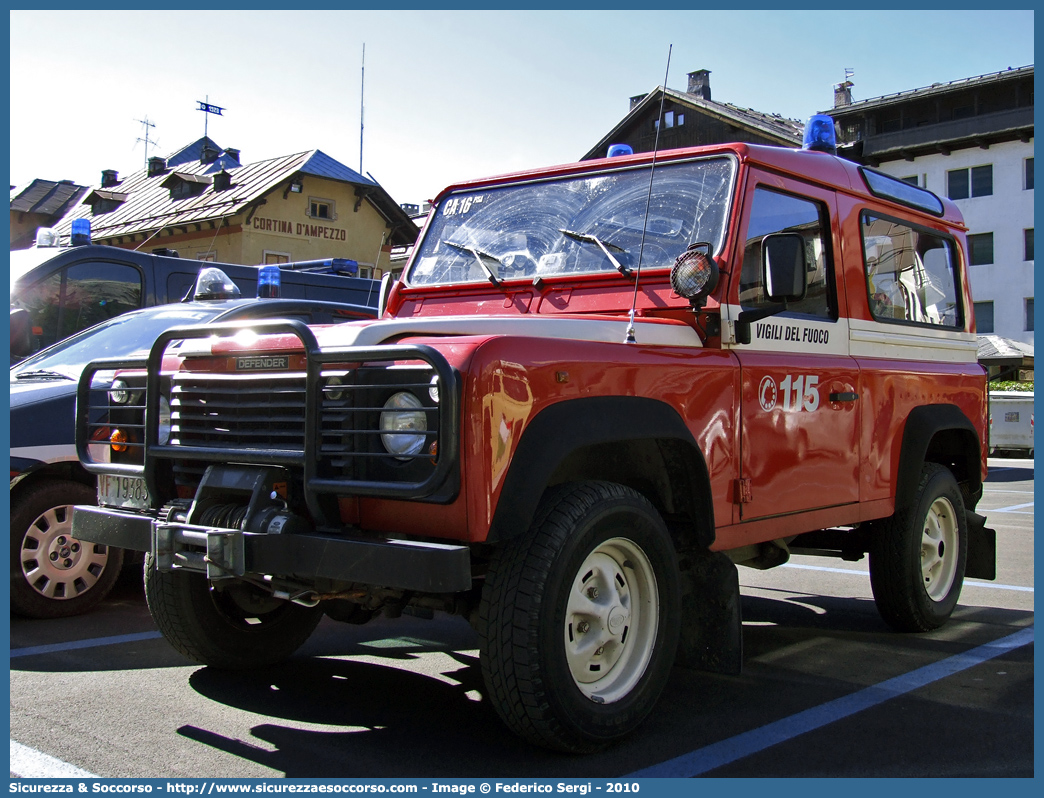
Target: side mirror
{"points": [[783, 272], [384, 293], [783, 267], [21, 334]]}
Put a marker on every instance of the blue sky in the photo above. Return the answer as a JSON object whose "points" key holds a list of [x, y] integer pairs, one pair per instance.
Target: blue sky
{"points": [[449, 95]]}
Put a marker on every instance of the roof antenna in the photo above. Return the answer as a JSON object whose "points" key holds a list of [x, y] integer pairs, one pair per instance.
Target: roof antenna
{"points": [[362, 107], [629, 338], [146, 124]]}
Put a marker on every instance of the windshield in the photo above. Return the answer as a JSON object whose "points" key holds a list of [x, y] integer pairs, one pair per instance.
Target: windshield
{"points": [[577, 224], [123, 336]]}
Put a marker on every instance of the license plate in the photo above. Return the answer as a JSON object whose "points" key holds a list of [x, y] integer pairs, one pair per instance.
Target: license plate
{"points": [[114, 491]]}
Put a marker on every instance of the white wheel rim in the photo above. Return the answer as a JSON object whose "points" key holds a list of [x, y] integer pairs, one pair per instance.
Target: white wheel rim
{"points": [[939, 549], [54, 563], [611, 619]]}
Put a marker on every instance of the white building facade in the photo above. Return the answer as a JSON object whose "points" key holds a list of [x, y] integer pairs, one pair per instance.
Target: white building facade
{"points": [[970, 140], [998, 209]]}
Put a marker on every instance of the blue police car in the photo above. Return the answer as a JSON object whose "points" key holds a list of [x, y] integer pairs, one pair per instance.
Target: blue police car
{"points": [[53, 574]]}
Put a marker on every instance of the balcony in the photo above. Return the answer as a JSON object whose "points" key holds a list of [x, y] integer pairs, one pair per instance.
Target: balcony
{"points": [[1001, 126]]}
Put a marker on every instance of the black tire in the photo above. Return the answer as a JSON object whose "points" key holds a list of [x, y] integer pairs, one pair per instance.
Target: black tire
{"points": [[237, 628], [54, 575], [915, 572], [533, 615]]}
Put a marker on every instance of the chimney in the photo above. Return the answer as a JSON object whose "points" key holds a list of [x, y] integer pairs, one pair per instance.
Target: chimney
{"points": [[209, 154], [843, 94], [157, 166], [222, 181], [637, 99], [110, 177], [699, 83], [233, 154]]}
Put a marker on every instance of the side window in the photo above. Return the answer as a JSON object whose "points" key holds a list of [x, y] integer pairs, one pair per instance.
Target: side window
{"points": [[95, 292], [773, 212], [911, 273], [42, 299]]}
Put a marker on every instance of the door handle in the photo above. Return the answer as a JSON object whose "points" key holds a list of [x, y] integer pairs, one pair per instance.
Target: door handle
{"points": [[844, 396]]}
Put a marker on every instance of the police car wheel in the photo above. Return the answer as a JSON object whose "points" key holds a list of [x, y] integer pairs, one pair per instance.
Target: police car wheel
{"points": [[54, 575], [918, 556], [579, 619], [236, 628]]}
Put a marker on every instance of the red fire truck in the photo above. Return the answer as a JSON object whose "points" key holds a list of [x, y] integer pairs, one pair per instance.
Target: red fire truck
{"points": [[596, 390]]}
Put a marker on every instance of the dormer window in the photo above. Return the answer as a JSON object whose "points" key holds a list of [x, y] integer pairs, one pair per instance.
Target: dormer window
{"points": [[102, 200], [183, 185]]}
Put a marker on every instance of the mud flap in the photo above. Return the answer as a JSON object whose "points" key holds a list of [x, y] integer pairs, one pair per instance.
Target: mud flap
{"points": [[982, 549], [712, 621]]}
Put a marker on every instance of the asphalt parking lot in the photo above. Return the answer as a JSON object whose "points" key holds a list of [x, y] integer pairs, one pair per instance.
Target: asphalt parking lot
{"points": [[827, 690]]}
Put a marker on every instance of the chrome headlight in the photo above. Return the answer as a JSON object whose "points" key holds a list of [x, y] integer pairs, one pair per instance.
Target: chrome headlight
{"points": [[164, 421], [403, 424]]}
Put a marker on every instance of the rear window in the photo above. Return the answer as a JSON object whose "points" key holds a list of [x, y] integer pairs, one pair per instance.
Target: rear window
{"points": [[911, 274]]}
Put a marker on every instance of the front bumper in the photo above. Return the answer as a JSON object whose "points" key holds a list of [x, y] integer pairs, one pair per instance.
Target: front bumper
{"points": [[223, 553]]}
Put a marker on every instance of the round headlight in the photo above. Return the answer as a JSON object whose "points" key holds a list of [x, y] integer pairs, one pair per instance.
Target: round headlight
{"points": [[694, 275], [433, 389], [332, 394], [164, 420], [119, 392], [403, 424]]}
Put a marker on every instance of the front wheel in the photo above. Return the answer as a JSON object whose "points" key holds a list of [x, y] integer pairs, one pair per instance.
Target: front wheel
{"points": [[579, 619], [918, 556], [235, 628]]}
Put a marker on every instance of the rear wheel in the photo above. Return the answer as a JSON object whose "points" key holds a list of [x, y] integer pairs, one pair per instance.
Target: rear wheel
{"points": [[54, 575], [579, 619], [235, 628], [918, 556]]}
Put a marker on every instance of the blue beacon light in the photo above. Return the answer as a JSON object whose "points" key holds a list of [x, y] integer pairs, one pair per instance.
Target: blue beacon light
{"points": [[80, 233], [616, 150], [819, 134], [268, 282]]}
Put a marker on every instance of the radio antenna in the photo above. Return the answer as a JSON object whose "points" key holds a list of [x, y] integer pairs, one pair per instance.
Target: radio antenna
{"points": [[629, 338]]}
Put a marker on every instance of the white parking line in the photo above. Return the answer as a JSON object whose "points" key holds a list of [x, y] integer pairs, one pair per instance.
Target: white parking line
{"points": [[1015, 508], [72, 645], [715, 755], [856, 572], [28, 763]]}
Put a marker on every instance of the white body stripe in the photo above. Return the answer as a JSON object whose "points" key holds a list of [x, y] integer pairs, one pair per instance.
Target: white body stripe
{"points": [[855, 337], [535, 326], [878, 339]]}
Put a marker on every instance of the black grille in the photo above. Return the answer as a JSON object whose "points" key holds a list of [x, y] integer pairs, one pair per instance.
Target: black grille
{"points": [[255, 412]]}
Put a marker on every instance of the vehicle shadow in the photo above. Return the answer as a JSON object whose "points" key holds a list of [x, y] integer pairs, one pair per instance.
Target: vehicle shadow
{"points": [[1010, 474], [436, 720]]}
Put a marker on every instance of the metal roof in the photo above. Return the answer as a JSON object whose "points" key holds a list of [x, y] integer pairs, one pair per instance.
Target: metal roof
{"points": [[322, 165], [149, 205], [48, 197], [933, 90], [995, 350]]}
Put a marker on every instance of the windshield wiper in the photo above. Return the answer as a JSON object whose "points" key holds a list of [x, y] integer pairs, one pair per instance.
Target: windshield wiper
{"points": [[481, 257], [602, 245], [42, 375]]}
